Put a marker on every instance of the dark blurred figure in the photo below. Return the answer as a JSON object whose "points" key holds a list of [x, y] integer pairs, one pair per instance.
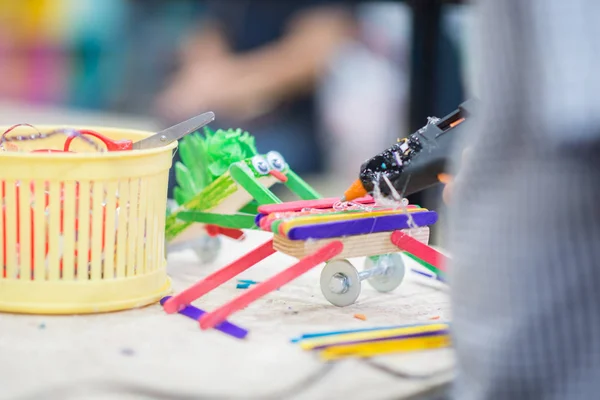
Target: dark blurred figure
{"points": [[255, 63], [147, 50]]}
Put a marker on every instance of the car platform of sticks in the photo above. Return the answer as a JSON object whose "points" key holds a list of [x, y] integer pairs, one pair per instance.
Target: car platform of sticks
{"points": [[327, 231]]}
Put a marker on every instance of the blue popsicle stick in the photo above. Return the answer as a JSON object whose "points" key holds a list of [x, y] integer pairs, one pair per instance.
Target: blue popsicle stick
{"points": [[429, 275], [342, 332], [248, 281]]}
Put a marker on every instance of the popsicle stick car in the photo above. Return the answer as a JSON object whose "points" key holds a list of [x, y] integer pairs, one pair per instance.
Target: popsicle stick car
{"points": [[315, 232]]}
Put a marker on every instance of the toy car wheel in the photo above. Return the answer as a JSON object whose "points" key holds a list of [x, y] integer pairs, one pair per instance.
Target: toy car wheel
{"points": [[340, 283], [207, 248], [391, 271]]}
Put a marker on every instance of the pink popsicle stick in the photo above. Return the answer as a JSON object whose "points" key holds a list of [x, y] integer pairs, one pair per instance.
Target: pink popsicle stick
{"points": [[327, 252], [301, 204], [420, 250], [176, 303]]}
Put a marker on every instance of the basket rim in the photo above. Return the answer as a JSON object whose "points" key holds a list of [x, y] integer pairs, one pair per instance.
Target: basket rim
{"points": [[140, 134]]}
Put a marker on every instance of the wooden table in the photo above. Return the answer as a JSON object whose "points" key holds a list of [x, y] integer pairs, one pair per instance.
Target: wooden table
{"points": [[146, 353], [128, 355]]}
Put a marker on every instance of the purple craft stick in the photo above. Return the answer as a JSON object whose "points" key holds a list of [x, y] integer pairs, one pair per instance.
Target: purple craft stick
{"points": [[409, 336], [225, 327], [258, 218], [429, 275], [360, 226]]}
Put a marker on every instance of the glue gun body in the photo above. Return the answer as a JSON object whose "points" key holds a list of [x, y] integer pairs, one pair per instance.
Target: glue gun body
{"points": [[416, 162]]}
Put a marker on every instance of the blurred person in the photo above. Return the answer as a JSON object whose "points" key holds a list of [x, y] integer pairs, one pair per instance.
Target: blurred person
{"points": [[369, 76], [255, 63], [524, 225]]}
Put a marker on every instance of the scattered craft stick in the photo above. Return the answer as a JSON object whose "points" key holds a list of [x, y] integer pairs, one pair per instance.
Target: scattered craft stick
{"points": [[398, 337], [214, 231], [362, 317], [420, 250], [245, 283], [248, 281], [225, 327], [428, 275], [365, 350], [351, 337], [307, 336], [219, 277], [327, 252]]}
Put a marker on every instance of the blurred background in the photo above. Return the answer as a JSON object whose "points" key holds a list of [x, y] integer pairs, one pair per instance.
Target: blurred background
{"points": [[326, 83]]}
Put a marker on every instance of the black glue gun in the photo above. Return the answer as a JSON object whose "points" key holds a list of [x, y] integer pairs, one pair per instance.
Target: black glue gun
{"points": [[414, 163]]}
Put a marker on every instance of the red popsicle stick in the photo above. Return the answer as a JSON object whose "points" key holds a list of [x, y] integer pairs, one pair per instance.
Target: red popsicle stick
{"points": [[420, 250], [300, 204], [111, 145], [214, 230], [177, 302], [327, 252], [18, 233]]}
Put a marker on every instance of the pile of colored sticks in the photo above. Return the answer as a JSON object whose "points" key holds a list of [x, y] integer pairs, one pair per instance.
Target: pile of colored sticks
{"points": [[371, 342]]}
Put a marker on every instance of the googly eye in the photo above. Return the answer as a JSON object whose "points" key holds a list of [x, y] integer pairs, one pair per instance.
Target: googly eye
{"points": [[260, 165], [276, 161]]}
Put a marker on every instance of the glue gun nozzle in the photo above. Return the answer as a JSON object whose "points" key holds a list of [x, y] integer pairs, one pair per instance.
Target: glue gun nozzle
{"points": [[343, 199], [355, 191]]}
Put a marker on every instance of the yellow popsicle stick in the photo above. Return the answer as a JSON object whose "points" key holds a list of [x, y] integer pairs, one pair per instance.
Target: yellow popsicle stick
{"points": [[324, 218], [352, 337], [385, 347]]}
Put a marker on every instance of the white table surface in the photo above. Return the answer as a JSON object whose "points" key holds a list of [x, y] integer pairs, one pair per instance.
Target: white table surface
{"points": [[145, 353]]}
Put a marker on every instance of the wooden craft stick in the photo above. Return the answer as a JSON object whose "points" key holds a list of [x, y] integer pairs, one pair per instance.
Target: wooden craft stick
{"points": [[419, 250], [365, 350], [302, 204], [325, 253], [359, 336], [360, 227], [354, 246], [175, 303]]}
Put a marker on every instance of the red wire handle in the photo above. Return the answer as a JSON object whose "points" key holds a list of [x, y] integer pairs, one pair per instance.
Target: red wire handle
{"points": [[111, 145]]}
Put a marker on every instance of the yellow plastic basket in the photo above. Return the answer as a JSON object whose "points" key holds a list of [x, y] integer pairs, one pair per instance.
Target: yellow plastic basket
{"points": [[82, 232]]}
